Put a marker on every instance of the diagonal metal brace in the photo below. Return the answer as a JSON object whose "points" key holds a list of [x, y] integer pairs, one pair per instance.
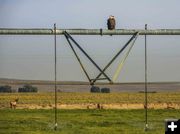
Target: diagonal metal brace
{"points": [[77, 57], [93, 62], [120, 66], [115, 57]]}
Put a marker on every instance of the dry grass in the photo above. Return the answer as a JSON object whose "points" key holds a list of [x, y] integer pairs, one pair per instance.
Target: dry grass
{"points": [[81, 100]]}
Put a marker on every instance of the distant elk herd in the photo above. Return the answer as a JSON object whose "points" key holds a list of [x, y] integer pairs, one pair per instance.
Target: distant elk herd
{"points": [[13, 105]]}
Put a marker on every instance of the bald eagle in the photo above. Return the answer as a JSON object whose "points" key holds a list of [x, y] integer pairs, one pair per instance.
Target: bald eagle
{"points": [[111, 23]]}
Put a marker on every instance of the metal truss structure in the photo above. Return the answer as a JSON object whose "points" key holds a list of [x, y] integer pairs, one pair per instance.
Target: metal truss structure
{"points": [[71, 41]]}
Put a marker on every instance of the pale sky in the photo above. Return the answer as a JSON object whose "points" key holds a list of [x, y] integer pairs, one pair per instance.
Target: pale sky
{"points": [[31, 57]]}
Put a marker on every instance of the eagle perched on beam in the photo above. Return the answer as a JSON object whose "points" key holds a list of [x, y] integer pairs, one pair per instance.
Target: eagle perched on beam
{"points": [[111, 22]]}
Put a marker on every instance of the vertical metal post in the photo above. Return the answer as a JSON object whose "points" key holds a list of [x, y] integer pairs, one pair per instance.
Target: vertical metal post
{"points": [[146, 103], [55, 78]]}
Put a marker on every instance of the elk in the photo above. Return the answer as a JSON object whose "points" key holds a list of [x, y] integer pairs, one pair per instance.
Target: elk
{"points": [[14, 103]]}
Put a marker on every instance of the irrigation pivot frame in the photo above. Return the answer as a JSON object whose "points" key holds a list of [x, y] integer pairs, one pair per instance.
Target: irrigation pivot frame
{"points": [[68, 32], [43, 31]]}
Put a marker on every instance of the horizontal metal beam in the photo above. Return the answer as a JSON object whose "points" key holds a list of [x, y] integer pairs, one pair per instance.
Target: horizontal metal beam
{"points": [[15, 31]]}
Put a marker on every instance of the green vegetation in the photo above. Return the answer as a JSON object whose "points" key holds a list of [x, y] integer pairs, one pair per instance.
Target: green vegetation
{"points": [[89, 121], [28, 88], [95, 89], [105, 90], [5, 89], [83, 121]]}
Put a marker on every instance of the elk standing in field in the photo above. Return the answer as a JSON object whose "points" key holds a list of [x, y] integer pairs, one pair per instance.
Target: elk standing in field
{"points": [[99, 106], [14, 103]]}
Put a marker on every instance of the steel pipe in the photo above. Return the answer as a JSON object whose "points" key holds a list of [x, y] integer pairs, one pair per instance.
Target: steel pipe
{"points": [[15, 31]]}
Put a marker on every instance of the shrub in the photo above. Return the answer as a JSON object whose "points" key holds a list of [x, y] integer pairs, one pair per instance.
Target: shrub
{"points": [[28, 88], [105, 90], [6, 89], [95, 89]]}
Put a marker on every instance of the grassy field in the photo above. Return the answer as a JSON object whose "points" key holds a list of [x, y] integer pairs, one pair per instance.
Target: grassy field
{"points": [[83, 121], [79, 98], [44, 100]]}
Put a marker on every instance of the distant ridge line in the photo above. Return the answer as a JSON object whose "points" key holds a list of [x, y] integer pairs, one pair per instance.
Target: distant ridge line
{"points": [[49, 82]]}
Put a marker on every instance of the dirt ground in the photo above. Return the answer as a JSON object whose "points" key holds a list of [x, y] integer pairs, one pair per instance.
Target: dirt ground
{"points": [[102, 106]]}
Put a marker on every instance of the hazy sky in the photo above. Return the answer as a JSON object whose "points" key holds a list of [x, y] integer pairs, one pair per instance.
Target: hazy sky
{"points": [[31, 57]]}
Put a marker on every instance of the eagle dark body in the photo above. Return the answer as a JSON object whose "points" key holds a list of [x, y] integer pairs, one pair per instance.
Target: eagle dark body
{"points": [[111, 23]]}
